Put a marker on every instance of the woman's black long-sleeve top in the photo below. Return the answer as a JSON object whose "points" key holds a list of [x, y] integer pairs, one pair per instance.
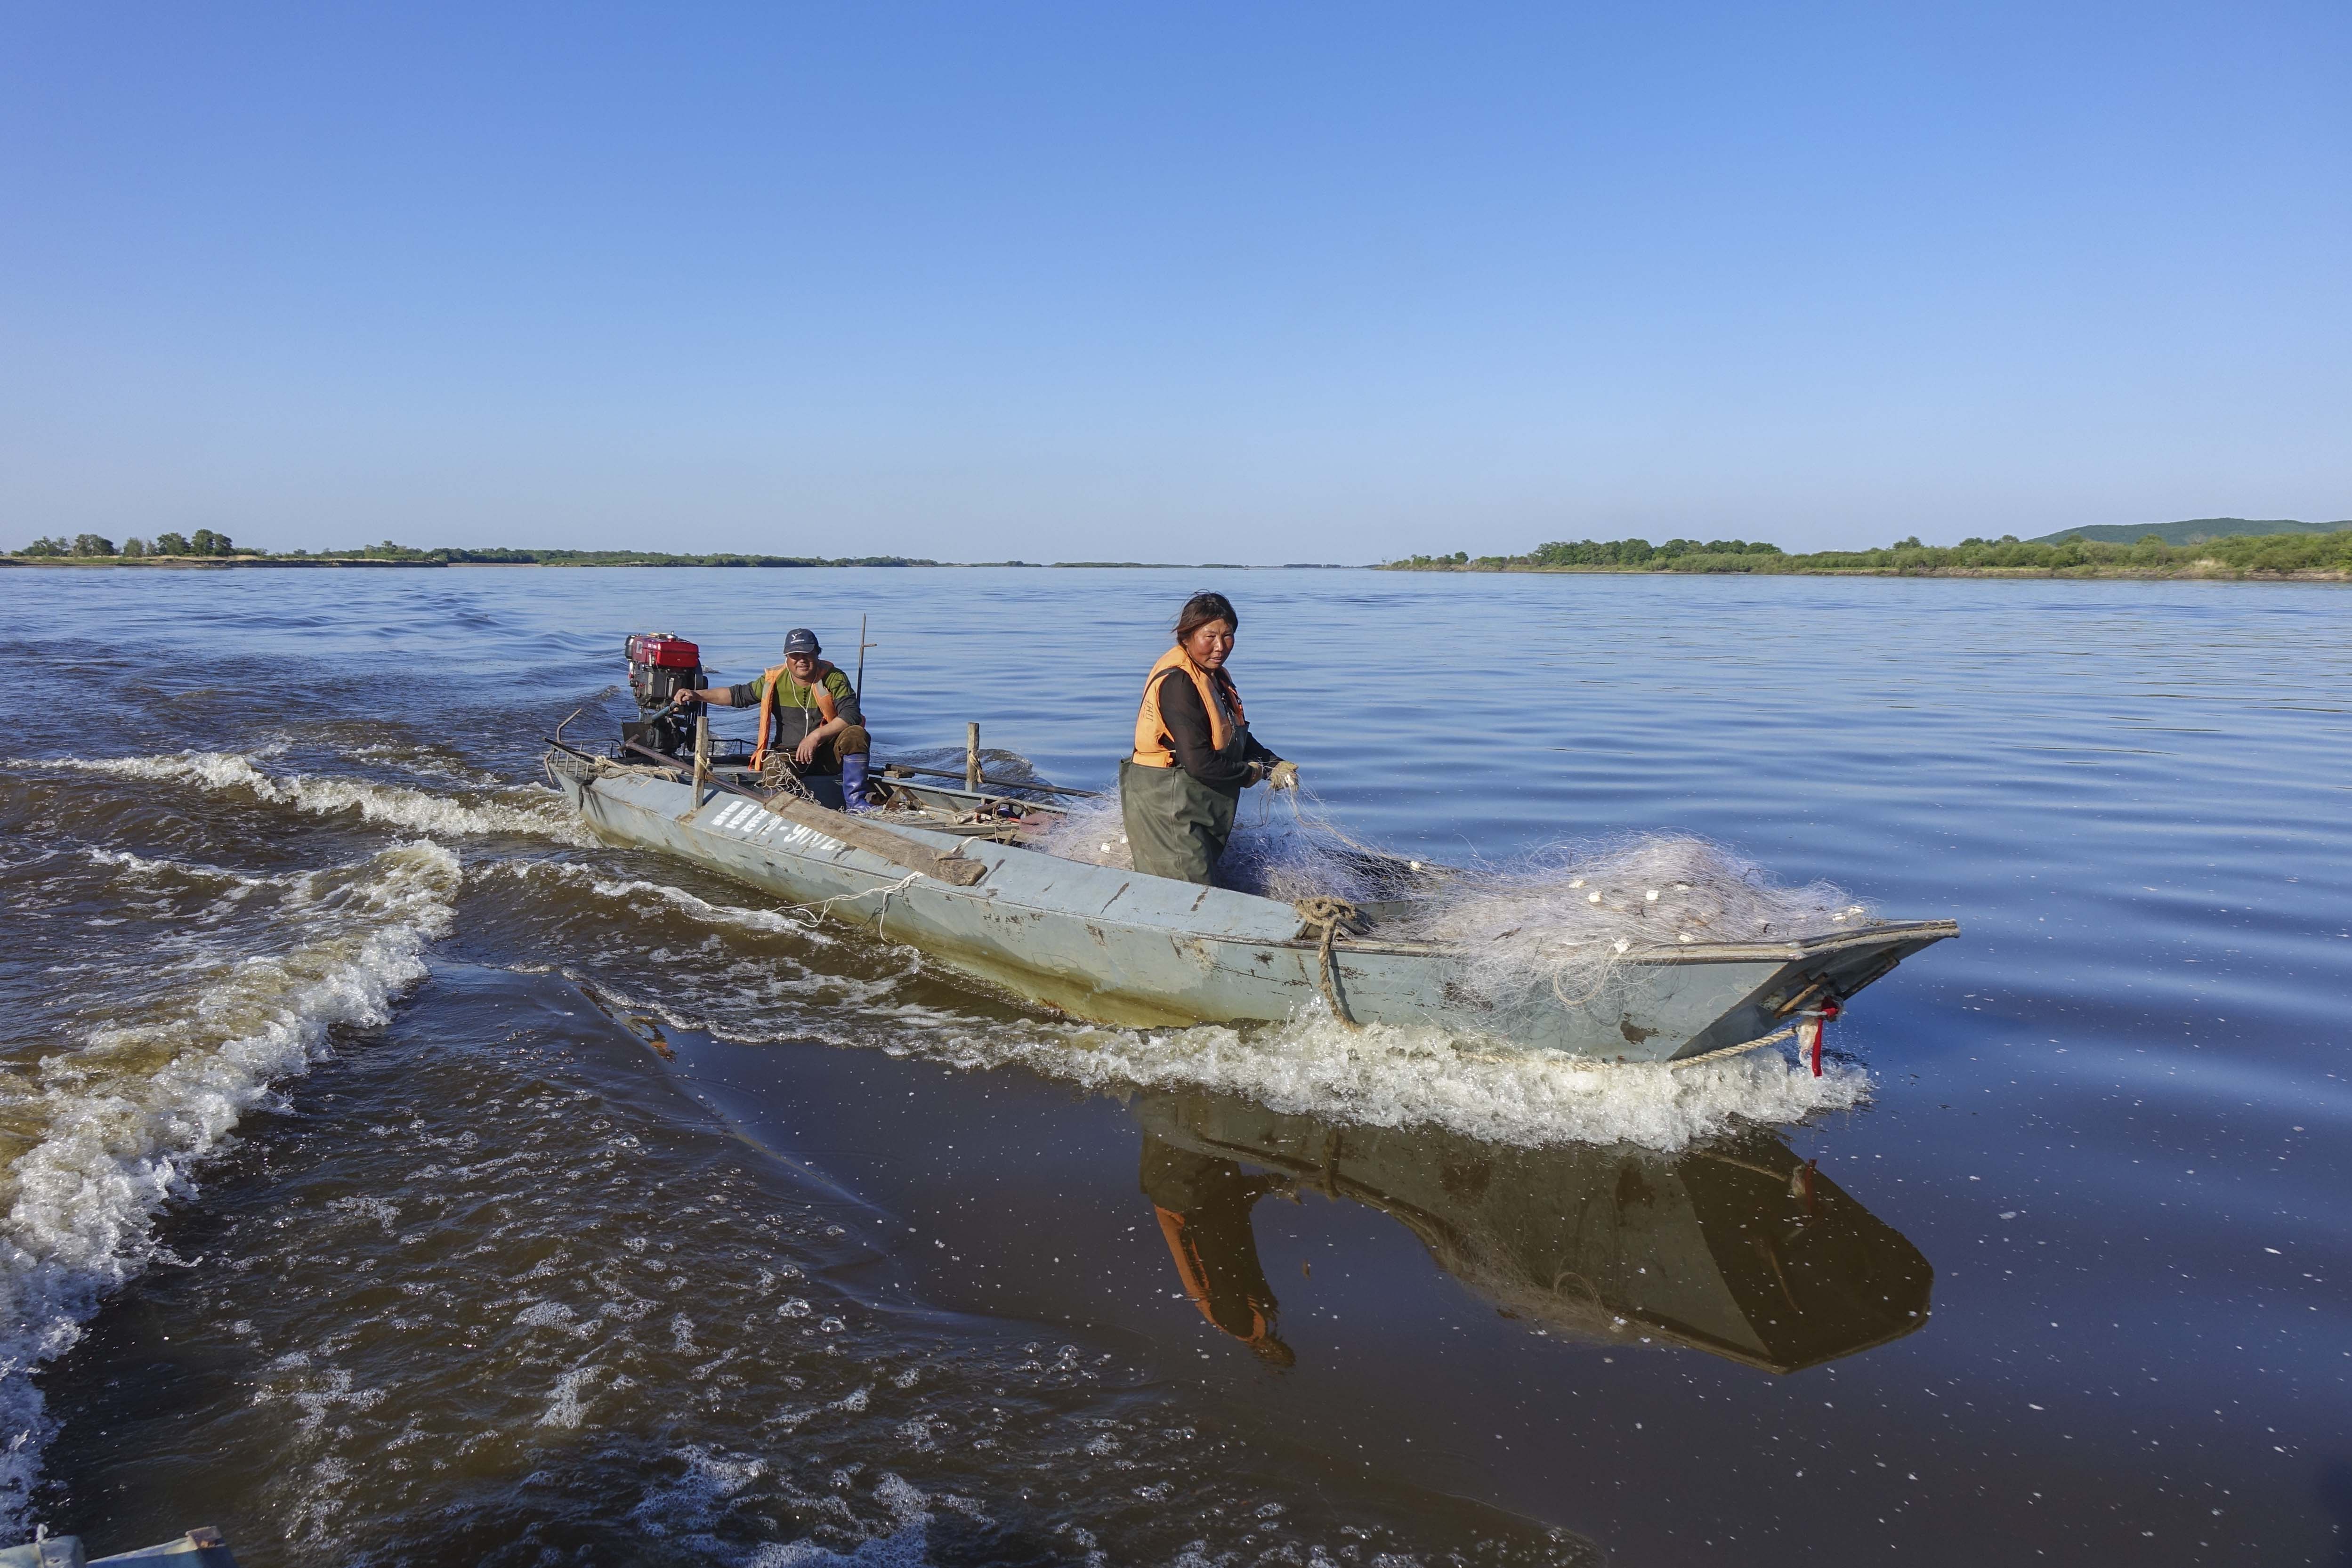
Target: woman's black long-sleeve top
{"points": [[1187, 724]]}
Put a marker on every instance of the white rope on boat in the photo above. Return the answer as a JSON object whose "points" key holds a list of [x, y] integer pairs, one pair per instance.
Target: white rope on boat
{"points": [[1732, 1050], [824, 908]]}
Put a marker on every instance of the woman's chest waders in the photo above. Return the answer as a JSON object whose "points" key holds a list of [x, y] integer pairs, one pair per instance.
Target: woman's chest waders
{"points": [[1176, 826]]}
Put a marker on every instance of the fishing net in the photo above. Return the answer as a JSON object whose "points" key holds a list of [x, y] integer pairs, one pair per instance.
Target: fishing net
{"points": [[1570, 913], [1010, 777], [1565, 916], [1284, 852], [1092, 831]]}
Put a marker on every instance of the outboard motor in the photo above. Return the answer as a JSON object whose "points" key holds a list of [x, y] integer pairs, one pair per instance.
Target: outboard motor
{"points": [[660, 664]]}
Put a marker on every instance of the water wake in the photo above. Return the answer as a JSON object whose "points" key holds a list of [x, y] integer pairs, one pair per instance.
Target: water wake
{"points": [[638, 891], [1389, 1077], [526, 811], [1378, 1077], [102, 1135]]}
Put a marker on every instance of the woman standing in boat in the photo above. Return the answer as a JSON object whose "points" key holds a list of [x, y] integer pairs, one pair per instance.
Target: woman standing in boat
{"points": [[1194, 752]]}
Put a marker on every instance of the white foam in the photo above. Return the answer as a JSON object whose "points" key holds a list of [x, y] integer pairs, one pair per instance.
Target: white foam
{"points": [[557, 1316], [527, 811], [141, 867], [908, 1546], [692, 1505], [1390, 1076], [637, 890], [122, 1120], [1381, 1076], [565, 1406], [428, 764], [758, 999]]}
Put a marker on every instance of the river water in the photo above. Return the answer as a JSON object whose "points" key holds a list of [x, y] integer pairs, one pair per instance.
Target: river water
{"points": [[394, 1174]]}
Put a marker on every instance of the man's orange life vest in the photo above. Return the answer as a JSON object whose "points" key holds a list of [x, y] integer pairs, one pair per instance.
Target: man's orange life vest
{"points": [[825, 702], [1152, 740]]}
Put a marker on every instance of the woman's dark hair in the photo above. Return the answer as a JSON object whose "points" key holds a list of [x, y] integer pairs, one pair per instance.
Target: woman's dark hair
{"points": [[1200, 609]]}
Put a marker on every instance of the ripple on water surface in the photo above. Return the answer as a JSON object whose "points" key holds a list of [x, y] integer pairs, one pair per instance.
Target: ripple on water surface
{"points": [[327, 1038]]}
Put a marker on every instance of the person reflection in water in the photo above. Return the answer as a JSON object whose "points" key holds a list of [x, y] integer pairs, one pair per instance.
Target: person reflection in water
{"points": [[1204, 1204]]}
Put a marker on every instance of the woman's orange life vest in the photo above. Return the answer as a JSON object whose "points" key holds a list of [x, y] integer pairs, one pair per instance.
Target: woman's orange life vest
{"points": [[1193, 1271], [825, 702], [1217, 694]]}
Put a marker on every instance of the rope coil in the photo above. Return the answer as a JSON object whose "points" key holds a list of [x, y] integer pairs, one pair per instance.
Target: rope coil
{"points": [[1328, 917]]}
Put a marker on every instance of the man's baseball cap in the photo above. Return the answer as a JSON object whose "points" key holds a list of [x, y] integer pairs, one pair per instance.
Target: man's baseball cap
{"points": [[800, 639]]}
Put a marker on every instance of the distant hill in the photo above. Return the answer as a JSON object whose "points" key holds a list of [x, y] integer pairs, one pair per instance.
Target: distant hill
{"points": [[2189, 533]]}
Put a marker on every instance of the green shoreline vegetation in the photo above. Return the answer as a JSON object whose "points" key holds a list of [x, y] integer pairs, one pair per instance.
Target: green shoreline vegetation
{"points": [[2315, 552], [2324, 557], [208, 549]]}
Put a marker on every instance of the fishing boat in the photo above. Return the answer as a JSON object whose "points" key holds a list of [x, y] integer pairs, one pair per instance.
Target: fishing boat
{"points": [[199, 1548], [947, 871]]}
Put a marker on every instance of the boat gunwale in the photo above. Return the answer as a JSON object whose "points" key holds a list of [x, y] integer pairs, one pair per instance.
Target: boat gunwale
{"points": [[1654, 956]]}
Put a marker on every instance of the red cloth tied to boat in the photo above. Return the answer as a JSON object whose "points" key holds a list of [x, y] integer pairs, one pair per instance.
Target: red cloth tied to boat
{"points": [[1808, 1033]]}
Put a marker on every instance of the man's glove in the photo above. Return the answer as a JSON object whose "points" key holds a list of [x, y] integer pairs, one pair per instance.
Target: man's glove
{"points": [[1283, 775]]}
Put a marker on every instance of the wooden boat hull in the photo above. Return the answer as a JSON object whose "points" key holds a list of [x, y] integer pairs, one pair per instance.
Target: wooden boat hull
{"points": [[1119, 947]]}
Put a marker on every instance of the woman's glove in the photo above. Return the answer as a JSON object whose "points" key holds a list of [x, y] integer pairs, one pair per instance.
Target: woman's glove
{"points": [[1283, 775]]}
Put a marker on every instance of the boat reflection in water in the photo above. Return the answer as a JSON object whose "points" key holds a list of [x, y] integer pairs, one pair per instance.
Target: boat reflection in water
{"points": [[1740, 1248]]}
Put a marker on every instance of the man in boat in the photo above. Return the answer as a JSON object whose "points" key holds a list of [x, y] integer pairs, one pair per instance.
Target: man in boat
{"points": [[809, 721], [1194, 753]]}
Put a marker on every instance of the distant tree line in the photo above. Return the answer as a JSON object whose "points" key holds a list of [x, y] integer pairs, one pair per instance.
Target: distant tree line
{"points": [[450, 556], [205, 543], [209, 545], [2240, 552], [662, 558], [1621, 552]]}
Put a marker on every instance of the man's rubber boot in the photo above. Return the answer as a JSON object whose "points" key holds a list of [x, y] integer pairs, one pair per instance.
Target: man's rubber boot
{"points": [[853, 781]]}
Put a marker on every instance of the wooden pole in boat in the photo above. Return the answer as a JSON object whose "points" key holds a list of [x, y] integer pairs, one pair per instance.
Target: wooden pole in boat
{"points": [[862, 646], [701, 755], [971, 758]]}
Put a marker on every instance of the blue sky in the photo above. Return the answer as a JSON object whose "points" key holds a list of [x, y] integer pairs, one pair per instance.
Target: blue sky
{"points": [[1261, 284]]}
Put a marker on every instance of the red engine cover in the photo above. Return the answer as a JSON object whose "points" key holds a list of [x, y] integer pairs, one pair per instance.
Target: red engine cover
{"points": [[664, 652]]}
